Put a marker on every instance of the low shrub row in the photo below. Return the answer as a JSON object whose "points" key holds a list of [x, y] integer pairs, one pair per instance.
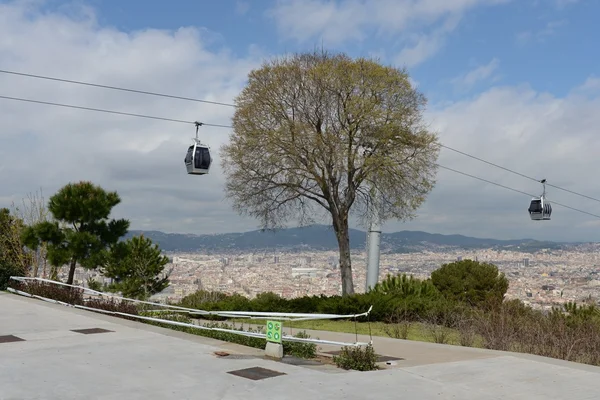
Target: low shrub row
{"points": [[384, 304], [73, 296], [298, 349], [453, 287]]}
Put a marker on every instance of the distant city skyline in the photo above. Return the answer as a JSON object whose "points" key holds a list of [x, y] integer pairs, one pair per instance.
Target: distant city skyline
{"points": [[541, 279]]}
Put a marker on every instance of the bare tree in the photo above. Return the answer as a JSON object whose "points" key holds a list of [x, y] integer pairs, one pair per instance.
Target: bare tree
{"points": [[321, 132], [33, 210]]}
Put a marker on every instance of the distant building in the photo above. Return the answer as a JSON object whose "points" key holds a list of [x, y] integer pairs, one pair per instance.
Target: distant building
{"points": [[526, 262], [459, 258], [312, 272]]}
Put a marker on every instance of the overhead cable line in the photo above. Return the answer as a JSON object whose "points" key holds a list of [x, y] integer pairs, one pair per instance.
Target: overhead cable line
{"points": [[111, 111], [116, 88], [233, 105], [518, 173], [515, 190], [231, 127]]}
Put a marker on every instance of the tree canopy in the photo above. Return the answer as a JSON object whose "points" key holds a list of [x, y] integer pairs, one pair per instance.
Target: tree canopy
{"points": [[32, 211], [137, 267], [324, 132], [14, 261], [80, 231], [473, 282]]}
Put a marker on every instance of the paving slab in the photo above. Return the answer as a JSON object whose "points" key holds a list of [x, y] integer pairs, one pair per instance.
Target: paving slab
{"points": [[140, 361]]}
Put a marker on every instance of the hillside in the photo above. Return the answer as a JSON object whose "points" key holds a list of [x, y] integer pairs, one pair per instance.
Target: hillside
{"points": [[321, 237]]}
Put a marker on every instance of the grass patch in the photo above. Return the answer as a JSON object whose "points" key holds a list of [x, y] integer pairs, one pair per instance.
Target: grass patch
{"points": [[417, 331]]}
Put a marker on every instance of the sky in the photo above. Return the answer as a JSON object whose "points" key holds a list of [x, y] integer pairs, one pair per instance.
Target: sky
{"points": [[513, 82]]}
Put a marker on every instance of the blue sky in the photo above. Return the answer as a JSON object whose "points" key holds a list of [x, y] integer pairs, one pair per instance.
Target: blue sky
{"points": [[514, 82], [545, 44]]}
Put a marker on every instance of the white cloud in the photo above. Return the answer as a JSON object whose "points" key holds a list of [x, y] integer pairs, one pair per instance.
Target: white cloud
{"points": [[591, 85], [424, 47], [540, 35], [534, 133], [242, 7], [564, 3], [338, 22], [476, 75], [45, 146]]}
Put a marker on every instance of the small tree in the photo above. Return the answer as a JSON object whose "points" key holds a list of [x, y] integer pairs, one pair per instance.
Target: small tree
{"points": [[14, 261], [80, 231], [324, 132], [473, 282], [32, 211], [137, 266]]}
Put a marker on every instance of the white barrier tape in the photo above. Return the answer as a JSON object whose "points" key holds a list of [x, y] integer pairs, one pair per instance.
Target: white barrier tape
{"points": [[184, 324], [18, 292], [97, 293], [225, 314]]}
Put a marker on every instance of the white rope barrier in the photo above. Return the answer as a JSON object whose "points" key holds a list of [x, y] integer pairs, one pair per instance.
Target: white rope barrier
{"points": [[238, 314], [225, 314]]}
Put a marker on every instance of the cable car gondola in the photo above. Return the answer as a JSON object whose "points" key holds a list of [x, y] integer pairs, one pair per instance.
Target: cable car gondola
{"points": [[198, 159], [539, 208]]}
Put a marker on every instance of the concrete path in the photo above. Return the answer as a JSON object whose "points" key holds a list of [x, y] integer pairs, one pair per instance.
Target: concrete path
{"points": [[139, 361]]}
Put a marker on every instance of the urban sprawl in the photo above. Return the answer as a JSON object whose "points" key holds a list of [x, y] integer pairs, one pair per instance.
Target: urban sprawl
{"points": [[541, 279]]}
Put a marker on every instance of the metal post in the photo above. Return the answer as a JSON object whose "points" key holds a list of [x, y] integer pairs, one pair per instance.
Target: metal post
{"points": [[373, 246]]}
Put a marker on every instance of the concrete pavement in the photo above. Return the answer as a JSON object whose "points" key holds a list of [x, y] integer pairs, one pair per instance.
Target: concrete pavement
{"points": [[139, 361]]}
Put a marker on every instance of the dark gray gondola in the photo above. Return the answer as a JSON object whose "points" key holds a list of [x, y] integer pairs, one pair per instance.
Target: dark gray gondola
{"points": [[198, 158], [539, 208]]}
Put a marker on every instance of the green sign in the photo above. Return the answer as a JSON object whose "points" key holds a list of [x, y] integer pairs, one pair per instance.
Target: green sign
{"points": [[274, 333]]}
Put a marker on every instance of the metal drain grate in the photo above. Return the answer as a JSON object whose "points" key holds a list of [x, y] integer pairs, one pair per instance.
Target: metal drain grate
{"points": [[10, 338], [89, 331], [388, 358], [240, 357], [256, 373]]}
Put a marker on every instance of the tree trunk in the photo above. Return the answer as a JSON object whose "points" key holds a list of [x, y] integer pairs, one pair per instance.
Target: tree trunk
{"points": [[72, 271], [36, 263], [340, 225]]}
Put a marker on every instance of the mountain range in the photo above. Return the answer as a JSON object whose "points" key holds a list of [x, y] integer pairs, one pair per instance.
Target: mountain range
{"points": [[322, 237]]}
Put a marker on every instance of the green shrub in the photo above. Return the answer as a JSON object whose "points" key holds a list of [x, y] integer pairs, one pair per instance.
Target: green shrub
{"points": [[476, 283], [268, 301], [7, 270], [112, 305], [299, 349], [357, 358], [65, 294]]}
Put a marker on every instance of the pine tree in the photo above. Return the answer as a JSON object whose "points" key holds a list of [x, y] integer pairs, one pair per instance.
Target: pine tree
{"points": [[137, 266], [80, 231]]}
